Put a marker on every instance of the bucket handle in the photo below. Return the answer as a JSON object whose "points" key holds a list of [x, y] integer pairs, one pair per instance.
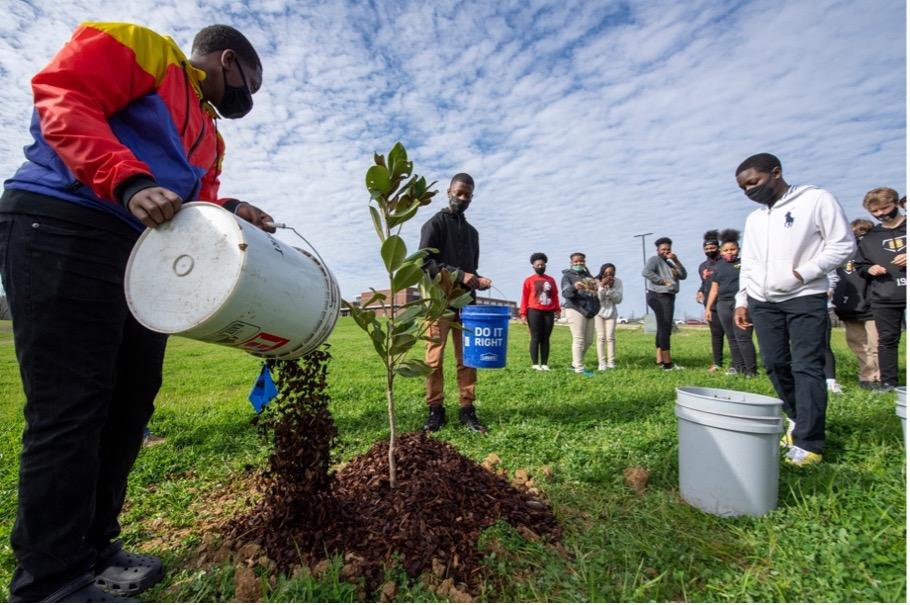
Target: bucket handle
{"points": [[297, 233]]}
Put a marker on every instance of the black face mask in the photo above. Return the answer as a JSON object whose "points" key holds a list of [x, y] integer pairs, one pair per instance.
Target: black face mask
{"points": [[237, 101], [540, 270], [763, 194], [458, 206], [712, 254], [888, 217]]}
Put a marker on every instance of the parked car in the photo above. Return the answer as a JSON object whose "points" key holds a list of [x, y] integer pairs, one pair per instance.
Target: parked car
{"points": [[622, 320]]}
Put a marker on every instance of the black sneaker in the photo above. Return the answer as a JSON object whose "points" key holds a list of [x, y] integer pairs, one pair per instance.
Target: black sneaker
{"points": [[124, 573], [436, 419], [869, 385], [468, 416], [82, 590]]}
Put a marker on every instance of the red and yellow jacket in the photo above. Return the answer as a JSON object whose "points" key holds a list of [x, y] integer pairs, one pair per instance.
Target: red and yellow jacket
{"points": [[120, 104]]}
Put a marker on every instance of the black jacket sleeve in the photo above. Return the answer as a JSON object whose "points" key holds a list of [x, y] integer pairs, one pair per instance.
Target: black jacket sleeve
{"points": [[862, 263], [568, 287]]}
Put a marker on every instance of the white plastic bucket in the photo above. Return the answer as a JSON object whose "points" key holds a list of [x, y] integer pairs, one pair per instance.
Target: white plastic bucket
{"points": [[211, 276], [728, 450], [901, 410]]}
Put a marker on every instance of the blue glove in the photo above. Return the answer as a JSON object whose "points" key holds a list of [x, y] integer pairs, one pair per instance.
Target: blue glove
{"points": [[264, 390]]}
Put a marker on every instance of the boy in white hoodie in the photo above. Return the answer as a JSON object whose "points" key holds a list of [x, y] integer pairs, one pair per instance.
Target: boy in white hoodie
{"points": [[790, 244]]}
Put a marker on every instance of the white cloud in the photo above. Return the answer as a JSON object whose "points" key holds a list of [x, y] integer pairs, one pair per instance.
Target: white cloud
{"points": [[583, 122]]}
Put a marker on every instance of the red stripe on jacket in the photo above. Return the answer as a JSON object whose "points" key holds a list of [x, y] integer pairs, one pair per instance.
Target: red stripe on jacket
{"points": [[94, 77]]}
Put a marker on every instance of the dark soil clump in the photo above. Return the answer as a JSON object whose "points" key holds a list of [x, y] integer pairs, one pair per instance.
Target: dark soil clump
{"points": [[431, 523], [434, 518]]}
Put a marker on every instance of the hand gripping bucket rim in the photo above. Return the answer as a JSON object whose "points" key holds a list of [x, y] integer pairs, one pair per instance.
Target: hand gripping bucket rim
{"points": [[249, 290]]}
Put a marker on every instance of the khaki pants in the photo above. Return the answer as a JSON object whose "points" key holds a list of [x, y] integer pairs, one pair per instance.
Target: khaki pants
{"points": [[582, 329], [862, 338], [606, 334], [466, 377]]}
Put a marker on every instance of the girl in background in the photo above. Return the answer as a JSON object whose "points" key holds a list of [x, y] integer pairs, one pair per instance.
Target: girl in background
{"points": [[539, 309], [609, 291], [724, 286], [662, 273]]}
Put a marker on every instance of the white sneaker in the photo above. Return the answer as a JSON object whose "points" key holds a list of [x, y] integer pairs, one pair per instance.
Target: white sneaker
{"points": [[834, 387], [797, 456], [611, 366], [545, 367], [535, 367], [602, 367], [786, 441]]}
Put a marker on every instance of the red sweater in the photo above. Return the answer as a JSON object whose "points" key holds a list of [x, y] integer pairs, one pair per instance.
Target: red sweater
{"points": [[539, 292]]}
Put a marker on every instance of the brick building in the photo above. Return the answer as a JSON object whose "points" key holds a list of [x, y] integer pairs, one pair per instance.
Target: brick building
{"points": [[406, 296]]}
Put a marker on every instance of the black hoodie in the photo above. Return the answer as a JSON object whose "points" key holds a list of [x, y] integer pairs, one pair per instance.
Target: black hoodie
{"points": [[583, 301], [851, 294], [879, 247], [456, 240]]}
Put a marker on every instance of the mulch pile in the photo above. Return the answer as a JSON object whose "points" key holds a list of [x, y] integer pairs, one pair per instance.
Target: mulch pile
{"points": [[430, 523]]}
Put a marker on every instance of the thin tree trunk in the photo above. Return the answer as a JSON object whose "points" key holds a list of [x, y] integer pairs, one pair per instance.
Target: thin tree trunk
{"points": [[389, 389], [393, 475]]}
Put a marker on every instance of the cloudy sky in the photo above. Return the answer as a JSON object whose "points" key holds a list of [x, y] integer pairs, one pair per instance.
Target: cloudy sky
{"points": [[583, 123]]}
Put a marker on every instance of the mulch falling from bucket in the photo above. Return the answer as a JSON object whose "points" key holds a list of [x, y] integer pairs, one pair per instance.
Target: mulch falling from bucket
{"points": [[430, 524]]}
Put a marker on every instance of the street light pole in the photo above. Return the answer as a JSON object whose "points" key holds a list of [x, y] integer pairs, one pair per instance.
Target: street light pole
{"points": [[643, 261]]}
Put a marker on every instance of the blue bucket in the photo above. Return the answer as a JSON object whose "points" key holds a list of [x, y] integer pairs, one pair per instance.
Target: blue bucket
{"points": [[486, 334]]}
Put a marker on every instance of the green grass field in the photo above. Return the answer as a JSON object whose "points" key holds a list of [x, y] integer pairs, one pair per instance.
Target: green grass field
{"points": [[839, 533]]}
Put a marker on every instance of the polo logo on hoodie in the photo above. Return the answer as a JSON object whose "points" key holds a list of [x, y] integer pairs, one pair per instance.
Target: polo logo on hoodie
{"points": [[849, 267], [895, 244], [788, 220]]}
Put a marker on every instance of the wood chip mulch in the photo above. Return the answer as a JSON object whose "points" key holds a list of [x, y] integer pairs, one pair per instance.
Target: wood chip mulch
{"points": [[429, 524]]}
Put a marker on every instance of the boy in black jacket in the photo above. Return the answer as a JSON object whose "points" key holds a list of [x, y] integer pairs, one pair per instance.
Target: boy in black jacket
{"points": [[459, 253], [882, 260]]}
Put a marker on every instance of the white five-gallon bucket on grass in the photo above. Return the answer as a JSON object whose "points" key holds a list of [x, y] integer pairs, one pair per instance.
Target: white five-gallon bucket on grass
{"points": [[901, 410], [209, 275], [728, 450]]}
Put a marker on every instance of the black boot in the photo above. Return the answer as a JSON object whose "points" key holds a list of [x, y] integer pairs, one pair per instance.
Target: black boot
{"points": [[436, 419], [468, 416]]}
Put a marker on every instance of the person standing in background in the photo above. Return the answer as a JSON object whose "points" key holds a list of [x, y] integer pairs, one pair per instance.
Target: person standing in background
{"points": [[609, 292], [662, 273], [830, 362], [851, 304], [579, 288], [457, 246], [539, 309], [711, 247], [882, 260], [791, 242], [722, 300]]}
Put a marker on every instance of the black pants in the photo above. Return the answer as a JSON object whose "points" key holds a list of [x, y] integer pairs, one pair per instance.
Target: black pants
{"points": [[830, 363], [791, 337], [662, 305], [90, 374], [742, 351], [541, 326], [717, 338], [888, 323]]}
